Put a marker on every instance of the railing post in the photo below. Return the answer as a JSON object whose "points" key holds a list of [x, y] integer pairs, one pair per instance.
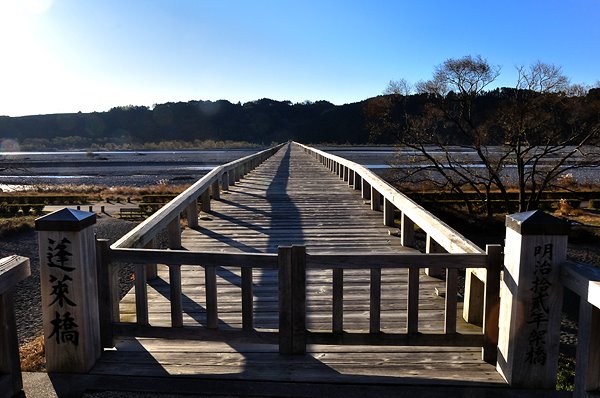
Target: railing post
{"points": [[292, 300], [366, 190], [357, 182], [375, 199], [231, 177], [10, 366], [491, 303], [388, 213], [474, 297], [108, 292], [192, 214], [69, 290], [205, 199], [407, 231], [431, 246], [174, 233], [587, 361], [151, 269], [531, 299], [225, 181], [214, 188]]}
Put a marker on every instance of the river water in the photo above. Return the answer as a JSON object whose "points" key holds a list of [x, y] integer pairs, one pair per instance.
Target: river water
{"points": [[23, 170]]}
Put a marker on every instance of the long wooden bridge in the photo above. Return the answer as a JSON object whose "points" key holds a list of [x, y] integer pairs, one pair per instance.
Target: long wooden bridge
{"points": [[298, 273]]}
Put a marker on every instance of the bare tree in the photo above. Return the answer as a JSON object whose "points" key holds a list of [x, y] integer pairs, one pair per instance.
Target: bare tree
{"points": [[536, 133]]}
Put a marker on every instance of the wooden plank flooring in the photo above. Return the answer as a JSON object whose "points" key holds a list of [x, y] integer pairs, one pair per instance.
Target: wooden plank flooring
{"points": [[292, 199]]}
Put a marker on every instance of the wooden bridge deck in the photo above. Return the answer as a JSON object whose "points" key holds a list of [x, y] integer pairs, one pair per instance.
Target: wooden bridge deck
{"points": [[292, 199]]}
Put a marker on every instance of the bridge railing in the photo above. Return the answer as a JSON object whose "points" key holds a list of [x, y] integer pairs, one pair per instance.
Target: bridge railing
{"points": [[584, 280], [137, 247], [294, 263], [13, 269], [167, 217], [439, 236]]}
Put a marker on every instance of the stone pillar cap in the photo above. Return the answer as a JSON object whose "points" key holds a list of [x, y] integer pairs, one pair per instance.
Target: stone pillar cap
{"points": [[537, 222], [65, 220]]}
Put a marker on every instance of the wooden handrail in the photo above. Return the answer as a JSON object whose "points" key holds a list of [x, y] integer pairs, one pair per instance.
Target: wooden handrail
{"points": [[204, 258], [396, 260], [445, 236], [147, 230], [13, 269]]}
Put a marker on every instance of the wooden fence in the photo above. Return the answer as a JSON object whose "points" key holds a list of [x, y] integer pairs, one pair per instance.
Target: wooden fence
{"points": [[12, 270]]}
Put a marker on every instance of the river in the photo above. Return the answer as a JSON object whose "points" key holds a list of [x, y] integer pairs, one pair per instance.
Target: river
{"points": [[139, 168]]}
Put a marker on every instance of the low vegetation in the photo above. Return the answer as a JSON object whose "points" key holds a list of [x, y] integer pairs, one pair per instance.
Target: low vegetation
{"points": [[33, 355], [12, 225]]}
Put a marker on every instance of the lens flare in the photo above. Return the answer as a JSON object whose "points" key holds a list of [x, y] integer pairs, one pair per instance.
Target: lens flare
{"points": [[9, 145]]}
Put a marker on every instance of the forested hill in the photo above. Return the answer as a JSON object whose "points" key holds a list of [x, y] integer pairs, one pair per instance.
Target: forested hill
{"points": [[262, 121], [378, 120]]}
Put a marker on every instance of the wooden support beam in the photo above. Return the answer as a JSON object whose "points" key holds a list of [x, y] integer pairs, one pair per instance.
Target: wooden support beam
{"points": [[141, 295], [338, 300], [151, 270], [491, 303], [450, 303], [108, 292], [9, 346], [587, 362], [474, 298], [174, 234], [212, 315], [292, 300], [366, 190], [407, 231], [247, 300], [175, 295], [431, 246], [375, 199], [205, 199], [388, 213], [375, 301], [225, 181], [412, 323], [357, 182], [192, 214], [214, 190]]}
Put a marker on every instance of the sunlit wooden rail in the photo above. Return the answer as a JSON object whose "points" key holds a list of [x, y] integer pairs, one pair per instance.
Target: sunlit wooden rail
{"points": [[13, 269]]}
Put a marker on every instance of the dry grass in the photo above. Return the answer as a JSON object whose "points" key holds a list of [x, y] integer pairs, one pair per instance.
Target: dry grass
{"points": [[32, 355], [103, 191], [15, 224]]}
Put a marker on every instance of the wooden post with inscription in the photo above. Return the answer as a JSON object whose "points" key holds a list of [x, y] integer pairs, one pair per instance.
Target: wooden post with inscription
{"points": [[531, 299], [69, 290]]}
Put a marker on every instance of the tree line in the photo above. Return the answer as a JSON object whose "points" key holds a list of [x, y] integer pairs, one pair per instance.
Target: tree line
{"points": [[261, 122]]}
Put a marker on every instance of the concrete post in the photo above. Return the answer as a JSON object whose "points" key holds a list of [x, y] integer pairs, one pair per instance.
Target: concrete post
{"points": [[69, 290], [531, 299]]}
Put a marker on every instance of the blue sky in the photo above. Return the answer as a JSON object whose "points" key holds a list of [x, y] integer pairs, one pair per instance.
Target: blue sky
{"points": [[82, 55]]}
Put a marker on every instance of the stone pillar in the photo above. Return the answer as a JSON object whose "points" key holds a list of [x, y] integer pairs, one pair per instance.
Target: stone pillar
{"points": [[69, 290], [531, 299]]}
